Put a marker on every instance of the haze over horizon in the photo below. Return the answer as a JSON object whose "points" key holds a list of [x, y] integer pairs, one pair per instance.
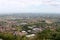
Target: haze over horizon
{"points": [[29, 6]]}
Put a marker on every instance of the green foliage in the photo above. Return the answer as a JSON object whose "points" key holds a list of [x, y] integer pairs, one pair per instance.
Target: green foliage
{"points": [[6, 36], [12, 37], [43, 35], [46, 34]]}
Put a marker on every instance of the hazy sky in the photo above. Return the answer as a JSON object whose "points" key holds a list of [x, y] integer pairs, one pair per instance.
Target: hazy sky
{"points": [[21, 6]]}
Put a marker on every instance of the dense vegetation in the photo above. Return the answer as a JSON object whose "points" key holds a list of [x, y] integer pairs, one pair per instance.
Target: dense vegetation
{"points": [[46, 34]]}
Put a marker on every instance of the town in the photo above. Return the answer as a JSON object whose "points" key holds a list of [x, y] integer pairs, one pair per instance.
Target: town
{"points": [[26, 27]]}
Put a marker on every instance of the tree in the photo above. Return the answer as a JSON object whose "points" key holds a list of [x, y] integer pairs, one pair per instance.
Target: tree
{"points": [[44, 35]]}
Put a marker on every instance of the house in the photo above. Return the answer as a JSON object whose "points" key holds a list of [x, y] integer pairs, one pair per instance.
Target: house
{"points": [[20, 33], [35, 30], [31, 35]]}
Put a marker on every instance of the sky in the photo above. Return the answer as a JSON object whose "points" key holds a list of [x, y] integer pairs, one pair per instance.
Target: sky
{"points": [[29, 6]]}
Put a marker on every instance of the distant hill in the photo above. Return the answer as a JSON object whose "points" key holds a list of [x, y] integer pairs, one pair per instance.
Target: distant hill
{"points": [[17, 15]]}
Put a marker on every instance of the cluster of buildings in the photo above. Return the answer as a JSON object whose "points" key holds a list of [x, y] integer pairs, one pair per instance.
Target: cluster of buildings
{"points": [[13, 30]]}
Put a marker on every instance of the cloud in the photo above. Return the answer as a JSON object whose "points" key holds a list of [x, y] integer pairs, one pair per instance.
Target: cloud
{"points": [[19, 3], [51, 2], [27, 5]]}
